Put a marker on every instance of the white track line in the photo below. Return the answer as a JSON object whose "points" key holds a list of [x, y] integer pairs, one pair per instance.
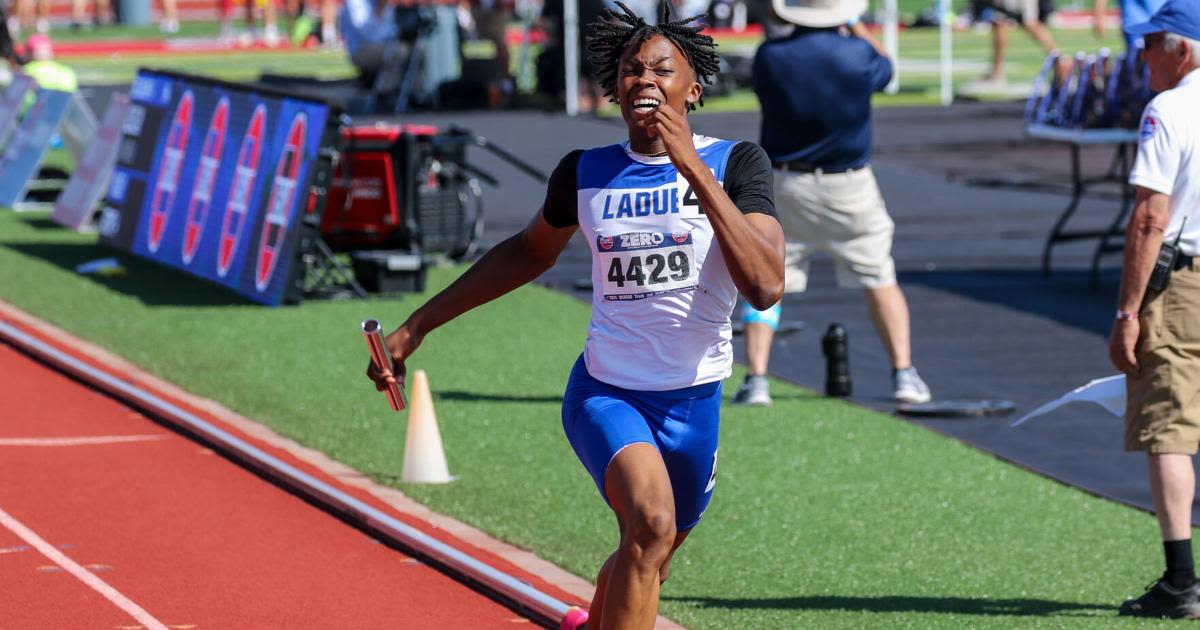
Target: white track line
{"points": [[85, 576], [79, 441]]}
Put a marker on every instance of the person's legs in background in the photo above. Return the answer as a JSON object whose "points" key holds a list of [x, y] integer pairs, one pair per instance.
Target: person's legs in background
{"points": [[270, 23], [226, 36], [170, 17], [22, 17], [78, 14], [1173, 489], [42, 12], [999, 48], [329, 34], [860, 240], [104, 13], [889, 312], [759, 331], [42, 16]]}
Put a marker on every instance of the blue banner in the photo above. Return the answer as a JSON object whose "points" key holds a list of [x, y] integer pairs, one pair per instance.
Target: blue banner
{"points": [[213, 180]]}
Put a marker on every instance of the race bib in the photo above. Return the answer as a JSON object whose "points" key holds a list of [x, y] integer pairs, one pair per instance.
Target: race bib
{"points": [[638, 265]]}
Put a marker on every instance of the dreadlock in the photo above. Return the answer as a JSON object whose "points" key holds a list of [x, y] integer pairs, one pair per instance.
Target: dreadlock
{"points": [[615, 32]]}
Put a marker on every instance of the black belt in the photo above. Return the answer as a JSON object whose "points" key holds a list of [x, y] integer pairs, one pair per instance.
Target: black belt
{"points": [[1185, 261], [806, 167]]}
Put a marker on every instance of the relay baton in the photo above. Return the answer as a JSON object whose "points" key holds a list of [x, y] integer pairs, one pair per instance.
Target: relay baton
{"points": [[383, 360]]}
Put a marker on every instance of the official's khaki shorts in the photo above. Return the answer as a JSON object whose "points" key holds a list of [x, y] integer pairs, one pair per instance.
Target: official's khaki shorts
{"points": [[1162, 412], [841, 214]]}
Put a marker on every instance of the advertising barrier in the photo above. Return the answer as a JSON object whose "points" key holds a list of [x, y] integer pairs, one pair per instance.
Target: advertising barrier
{"points": [[212, 178], [74, 206], [25, 151], [10, 104]]}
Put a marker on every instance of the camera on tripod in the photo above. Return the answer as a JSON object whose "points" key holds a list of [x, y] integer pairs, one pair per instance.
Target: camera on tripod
{"points": [[414, 21]]}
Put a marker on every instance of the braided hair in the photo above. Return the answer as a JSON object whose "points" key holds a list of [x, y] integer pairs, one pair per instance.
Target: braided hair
{"points": [[615, 32]]}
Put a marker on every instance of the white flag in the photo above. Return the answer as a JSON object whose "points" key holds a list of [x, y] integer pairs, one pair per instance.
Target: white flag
{"points": [[1107, 392]]}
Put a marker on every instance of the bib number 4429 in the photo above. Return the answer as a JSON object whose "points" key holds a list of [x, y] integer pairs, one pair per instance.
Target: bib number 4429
{"points": [[649, 270]]}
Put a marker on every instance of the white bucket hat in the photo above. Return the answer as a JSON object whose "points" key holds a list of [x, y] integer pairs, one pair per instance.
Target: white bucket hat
{"points": [[819, 13]]}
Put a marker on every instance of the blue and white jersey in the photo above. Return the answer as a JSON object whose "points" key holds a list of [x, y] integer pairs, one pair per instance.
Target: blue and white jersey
{"points": [[662, 295]]}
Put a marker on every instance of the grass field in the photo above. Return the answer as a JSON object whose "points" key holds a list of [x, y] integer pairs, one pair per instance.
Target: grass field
{"points": [[826, 515]]}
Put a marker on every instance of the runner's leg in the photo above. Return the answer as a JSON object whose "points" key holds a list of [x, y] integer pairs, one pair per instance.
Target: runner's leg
{"points": [[639, 491]]}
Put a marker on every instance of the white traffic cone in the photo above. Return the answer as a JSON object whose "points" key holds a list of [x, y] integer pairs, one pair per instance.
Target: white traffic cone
{"points": [[424, 458]]}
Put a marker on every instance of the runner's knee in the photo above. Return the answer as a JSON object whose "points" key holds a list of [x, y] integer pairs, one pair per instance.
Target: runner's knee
{"points": [[650, 535]]}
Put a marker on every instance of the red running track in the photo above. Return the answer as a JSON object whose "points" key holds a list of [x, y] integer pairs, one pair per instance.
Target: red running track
{"points": [[94, 495]]}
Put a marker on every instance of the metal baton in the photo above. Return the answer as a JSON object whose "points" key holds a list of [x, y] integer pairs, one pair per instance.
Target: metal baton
{"points": [[383, 360]]}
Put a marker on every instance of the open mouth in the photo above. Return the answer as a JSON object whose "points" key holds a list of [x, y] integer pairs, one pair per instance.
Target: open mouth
{"points": [[646, 105]]}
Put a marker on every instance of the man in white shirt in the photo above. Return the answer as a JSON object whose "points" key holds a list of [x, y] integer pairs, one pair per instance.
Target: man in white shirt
{"points": [[1155, 339]]}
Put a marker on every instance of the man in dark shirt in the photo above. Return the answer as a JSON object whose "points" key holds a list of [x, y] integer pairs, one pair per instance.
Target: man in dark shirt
{"points": [[815, 87]]}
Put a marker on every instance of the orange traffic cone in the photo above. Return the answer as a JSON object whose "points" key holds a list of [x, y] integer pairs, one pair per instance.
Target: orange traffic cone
{"points": [[424, 458]]}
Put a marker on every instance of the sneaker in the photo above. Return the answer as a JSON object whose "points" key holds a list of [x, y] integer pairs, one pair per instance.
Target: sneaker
{"points": [[271, 37], [756, 390], [226, 36], [1164, 601], [909, 386]]}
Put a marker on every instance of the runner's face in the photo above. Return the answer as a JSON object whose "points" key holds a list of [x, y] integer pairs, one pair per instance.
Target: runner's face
{"points": [[656, 74]]}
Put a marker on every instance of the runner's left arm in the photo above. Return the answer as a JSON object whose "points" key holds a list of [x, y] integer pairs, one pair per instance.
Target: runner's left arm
{"points": [[753, 243]]}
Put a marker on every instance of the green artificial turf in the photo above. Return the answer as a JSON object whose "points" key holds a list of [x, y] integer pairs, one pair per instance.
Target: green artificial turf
{"points": [[232, 65], [825, 515]]}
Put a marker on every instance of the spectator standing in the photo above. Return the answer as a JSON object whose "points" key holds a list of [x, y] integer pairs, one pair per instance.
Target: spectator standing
{"points": [[1155, 339], [815, 86], [373, 42]]}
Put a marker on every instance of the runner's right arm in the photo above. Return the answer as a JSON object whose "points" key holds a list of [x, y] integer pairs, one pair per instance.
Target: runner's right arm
{"points": [[516, 261]]}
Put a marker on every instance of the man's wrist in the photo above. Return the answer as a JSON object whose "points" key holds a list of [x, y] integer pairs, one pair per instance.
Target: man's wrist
{"points": [[1126, 316]]}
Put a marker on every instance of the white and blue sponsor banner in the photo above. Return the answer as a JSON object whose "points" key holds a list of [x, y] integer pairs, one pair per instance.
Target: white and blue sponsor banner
{"points": [[10, 104], [25, 151], [76, 203]]}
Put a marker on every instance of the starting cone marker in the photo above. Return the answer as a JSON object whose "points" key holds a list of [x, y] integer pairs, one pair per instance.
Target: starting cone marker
{"points": [[424, 458]]}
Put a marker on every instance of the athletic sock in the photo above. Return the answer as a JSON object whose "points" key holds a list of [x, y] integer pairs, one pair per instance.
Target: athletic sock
{"points": [[1181, 571]]}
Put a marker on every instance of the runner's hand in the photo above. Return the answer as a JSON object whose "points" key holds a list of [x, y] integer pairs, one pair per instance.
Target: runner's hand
{"points": [[400, 344], [676, 134]]}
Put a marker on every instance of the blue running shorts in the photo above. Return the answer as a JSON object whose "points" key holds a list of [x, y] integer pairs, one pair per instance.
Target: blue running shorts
{"points": [[600, 420], [770, 316]]}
